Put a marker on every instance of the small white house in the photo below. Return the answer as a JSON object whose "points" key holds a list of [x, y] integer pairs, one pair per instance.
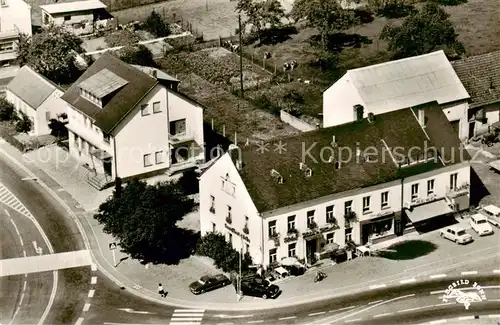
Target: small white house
{"points": [[396, 85], [15, 18], [80, 17], [361, 182], [127, 121], [37, 97], [480, 76]]}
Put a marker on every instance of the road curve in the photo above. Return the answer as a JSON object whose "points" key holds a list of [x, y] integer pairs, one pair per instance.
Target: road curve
{"points": [[73, 284]]}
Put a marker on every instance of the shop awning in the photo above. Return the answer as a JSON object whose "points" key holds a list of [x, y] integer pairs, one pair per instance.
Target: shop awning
{"points": [[427, 211]]}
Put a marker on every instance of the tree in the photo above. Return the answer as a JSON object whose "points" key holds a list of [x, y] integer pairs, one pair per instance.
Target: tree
{"points": [[327, 16], [422, 32], [215, 246], [6, 109], [23, 123], [52, 53], [156, 25], [143, 219], [137, 54], [261, 15], [58, 128]]}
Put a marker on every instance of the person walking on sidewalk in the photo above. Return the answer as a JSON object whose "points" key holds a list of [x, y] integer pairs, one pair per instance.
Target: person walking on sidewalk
{"points": [[161, 291]]}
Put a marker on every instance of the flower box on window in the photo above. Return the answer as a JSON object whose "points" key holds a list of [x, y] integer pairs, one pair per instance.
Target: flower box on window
{"points": [[245, 229], [212, 210], [292, 235], [312, 225], [229, 220]]}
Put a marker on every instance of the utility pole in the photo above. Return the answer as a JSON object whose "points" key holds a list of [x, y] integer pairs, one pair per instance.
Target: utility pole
{"points": [[241, 57]]}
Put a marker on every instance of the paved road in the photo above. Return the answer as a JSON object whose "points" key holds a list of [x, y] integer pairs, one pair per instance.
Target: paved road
{"points": [[112, 306], [73, 284]]}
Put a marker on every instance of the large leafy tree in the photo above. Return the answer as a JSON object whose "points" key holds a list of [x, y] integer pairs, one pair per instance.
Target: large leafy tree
{"points": [[261, 15], [143, 219], [156, 25], [327, 16], [52, 53], [424, 31]]}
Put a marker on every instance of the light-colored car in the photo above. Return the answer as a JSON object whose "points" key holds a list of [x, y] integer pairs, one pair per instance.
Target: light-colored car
{"points": [[456, 234], [480, 225], [492, 213]]}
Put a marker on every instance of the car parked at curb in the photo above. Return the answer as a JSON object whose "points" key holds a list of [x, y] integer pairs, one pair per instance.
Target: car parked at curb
{"points": [[259, 288], [480, 225], [456, 234], [208, 283], [492, 213]]}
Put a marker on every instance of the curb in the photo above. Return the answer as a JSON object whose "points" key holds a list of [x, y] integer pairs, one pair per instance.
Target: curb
{"points": [[463, 318], [178, 302]]}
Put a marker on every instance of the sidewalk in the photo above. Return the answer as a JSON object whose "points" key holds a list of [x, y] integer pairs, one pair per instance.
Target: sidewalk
{"points": [[142, 280]]}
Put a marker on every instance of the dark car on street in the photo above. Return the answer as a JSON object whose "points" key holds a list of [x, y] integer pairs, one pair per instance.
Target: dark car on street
{"points": [[295, 270], [208, 283], [259, 288]]}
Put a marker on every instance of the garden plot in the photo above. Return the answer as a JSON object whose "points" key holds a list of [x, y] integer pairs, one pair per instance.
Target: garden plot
{"points": [[221, 67]]}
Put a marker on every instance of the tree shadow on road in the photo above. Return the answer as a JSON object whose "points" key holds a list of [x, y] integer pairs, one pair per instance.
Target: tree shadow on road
{"points": [[408, 250]]}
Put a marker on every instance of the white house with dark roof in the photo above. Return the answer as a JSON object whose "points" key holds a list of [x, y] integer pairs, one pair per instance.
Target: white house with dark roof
{"points": [[80, 17], [37, 97], [15, 18], [396, 85], [353, 184], [124, 122], [480, 75]]}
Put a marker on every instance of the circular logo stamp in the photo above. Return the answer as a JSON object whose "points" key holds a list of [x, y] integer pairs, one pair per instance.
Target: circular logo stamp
{"points": [[463, 293]]}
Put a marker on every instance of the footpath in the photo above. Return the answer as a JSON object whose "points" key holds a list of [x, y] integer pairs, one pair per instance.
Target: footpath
{"points": [[65, 180]]}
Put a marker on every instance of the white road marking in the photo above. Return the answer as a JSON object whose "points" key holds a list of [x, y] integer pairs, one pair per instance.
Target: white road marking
{"points": [[24, 253], [91, 293], [441, 321], [444, 304], [24, 285], [15, 226], [333, 319], [61, 190], [21, 240], [465, 317], [345, 308], [407, 281], [21, 300], [86, 307], [494, 316], [222, 323], [79, 321], [374, 302], [131, 311], [496, 271], [284, 318], [353, 320], [409, 309], [232, 316], [468, 272], [382, 315], [378, 286], [93, 280], [437, 276], [93, 267], [180, 323], [318, 313], [255, 321]]}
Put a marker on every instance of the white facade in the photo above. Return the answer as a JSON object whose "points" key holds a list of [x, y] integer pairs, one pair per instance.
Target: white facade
{"points": [[40, 116], [384, 204], [15, 18], [141, 143]]}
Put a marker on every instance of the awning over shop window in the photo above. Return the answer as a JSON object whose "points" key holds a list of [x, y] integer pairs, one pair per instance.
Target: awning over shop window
{"points": [[427, 211]]}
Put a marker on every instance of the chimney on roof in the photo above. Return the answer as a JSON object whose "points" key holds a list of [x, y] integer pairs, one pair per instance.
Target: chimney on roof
{"points": [[235, 154], [334, 141], [358, 112], [421, 117], [371, 117]]}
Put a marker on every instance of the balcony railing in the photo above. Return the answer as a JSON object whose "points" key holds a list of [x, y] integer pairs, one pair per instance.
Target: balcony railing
{"points": [[461, 190], [292, 235], [180, 138]]}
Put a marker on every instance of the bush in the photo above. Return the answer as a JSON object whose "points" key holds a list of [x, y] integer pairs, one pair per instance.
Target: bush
{"points": [[264, 103], [6, 109], [156, 25], [23, 123], [139, 55], [395, 9], [451, 2], [214, 245], [121, 38]]}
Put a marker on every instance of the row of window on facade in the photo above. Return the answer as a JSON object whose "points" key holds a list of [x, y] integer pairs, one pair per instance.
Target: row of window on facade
{"points": [[159, 158], [87, 122], [146, 110], [292, 247], [7, 46], [230, 240], [329, 211]]}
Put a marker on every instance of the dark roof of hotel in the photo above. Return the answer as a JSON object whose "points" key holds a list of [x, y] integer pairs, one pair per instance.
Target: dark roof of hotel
{"points": [[121, 102], [398, 129], [480, 75]]}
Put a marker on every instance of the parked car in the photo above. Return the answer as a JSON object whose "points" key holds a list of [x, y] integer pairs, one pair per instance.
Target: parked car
{"points": [[259, 288], [456, 234], [208, 283], [492, 213], [480, 225], [295, 270]]}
